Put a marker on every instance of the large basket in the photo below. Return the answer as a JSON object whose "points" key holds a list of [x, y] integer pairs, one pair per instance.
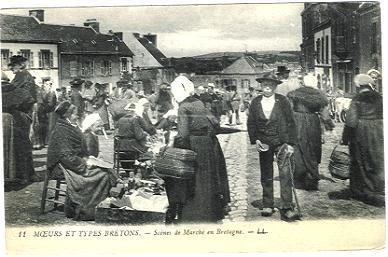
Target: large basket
{"points": [[168, 167], [180, 154], [339, 163]]}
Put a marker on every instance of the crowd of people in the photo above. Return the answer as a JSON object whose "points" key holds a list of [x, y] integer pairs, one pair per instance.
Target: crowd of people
{"points": [[285, 122]]}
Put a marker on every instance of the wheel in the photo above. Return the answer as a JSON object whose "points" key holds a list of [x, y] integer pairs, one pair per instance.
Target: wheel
{"points": [[343, 116]]}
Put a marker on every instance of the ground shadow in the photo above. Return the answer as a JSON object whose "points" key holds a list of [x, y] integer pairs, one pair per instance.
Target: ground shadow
{"points": [[258, 203], [343, 194]]}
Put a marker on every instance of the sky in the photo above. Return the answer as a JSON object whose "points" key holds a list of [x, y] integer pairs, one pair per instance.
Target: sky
{"points": [[189, 30]]}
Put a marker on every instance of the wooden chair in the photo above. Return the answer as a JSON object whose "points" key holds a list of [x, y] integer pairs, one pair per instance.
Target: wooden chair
{"points": [[118, 160], [58, 192]]}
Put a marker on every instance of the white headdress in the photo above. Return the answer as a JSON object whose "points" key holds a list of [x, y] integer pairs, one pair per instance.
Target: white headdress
{"points": [[140, 106], [310, 81], [181, 88], [90, 120]]}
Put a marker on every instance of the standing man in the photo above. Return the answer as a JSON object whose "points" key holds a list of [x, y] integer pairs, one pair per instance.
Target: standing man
{"points": [[271, 122], [89, 95], [76, 97]]}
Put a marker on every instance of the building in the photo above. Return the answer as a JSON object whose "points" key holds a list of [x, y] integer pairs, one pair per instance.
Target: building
{"points": [[68, 51], [40, 49], [240, 71], [370, 37], [330, 44], [149, 63]]}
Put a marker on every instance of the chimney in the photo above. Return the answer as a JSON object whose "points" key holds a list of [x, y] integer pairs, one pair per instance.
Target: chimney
{"points": [[136, 35], [93, 23], [151, 38], [119, 35], [39, 14]]}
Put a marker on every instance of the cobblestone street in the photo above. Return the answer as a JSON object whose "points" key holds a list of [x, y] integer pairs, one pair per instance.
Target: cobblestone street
{"points": [[22, 207]]}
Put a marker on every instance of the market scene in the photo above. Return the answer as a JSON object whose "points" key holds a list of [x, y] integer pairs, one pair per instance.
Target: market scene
{"points": [[101, 127]]}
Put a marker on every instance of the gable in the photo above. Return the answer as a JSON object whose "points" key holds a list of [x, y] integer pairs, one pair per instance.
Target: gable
{"points": [[239, 66]]}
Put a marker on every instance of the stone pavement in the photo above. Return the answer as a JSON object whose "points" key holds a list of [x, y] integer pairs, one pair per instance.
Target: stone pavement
{"points": [[242, 159]]}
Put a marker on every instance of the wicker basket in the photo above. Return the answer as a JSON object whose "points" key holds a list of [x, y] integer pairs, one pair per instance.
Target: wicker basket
{"points": [[180, 154], [339, 163], [170, 167]]}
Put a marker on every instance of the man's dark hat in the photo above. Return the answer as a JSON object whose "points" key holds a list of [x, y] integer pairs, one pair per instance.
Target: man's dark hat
{"points": [[88, 83], [62, 108], [282, 70], [76, 82], [16, 60], [269, 77], [124, 82], [103, 85]]}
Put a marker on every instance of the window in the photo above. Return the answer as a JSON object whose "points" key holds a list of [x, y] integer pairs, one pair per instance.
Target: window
{"points": [[374, 38], [245, 83], [318, 50], [73, 68], [106, 68], [327, 49], [5, 55], [87, 68], [234, 82], [124, 64], [46, 59], [26, 53]]}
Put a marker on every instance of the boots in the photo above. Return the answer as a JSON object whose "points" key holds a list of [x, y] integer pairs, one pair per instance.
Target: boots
{"points": [[174, 214], [171, 214]]}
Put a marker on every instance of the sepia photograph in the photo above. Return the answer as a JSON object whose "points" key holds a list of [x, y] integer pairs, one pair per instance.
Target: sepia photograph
{"points": [[247, 127]]}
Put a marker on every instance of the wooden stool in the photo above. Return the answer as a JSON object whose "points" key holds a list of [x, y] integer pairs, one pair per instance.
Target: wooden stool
{"points": [[117, 160], [58, 191]]}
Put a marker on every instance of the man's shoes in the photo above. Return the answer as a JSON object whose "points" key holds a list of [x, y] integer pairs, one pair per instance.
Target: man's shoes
{"points": [[267, 212], [289, 215]]}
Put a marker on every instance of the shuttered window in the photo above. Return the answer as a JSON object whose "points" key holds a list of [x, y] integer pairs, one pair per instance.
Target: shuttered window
{"points": [[26, 53], [46, 59], [106, 68], [73, 69]]}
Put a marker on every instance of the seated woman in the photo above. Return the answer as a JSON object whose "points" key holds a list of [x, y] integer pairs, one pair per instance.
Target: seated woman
{"points": [[134, 137], [87, 186], [142, 108], [91, 124]]}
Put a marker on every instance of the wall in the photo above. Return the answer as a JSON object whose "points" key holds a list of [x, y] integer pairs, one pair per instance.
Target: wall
{"points": [[37, 72], [369, 60], [142, 58], [323, 70], [71, 68]]}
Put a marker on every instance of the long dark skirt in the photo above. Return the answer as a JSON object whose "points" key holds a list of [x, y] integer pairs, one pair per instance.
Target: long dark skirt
{"points": [[22, 146], [367, 162], [8, 147], [207, 201], [85, 191], [308, 150], [103, 111]]}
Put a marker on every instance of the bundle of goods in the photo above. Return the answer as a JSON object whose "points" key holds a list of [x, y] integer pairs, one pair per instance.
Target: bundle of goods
{"points": [[339, 162], [176, 162]]}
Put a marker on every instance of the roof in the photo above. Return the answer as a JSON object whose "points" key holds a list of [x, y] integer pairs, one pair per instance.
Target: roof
{"points": [[152, 49], [199, 66], [71, 39]]}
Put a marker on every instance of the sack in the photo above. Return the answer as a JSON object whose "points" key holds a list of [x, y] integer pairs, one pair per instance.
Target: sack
{"points": [[339, 163], [177, 163]]}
